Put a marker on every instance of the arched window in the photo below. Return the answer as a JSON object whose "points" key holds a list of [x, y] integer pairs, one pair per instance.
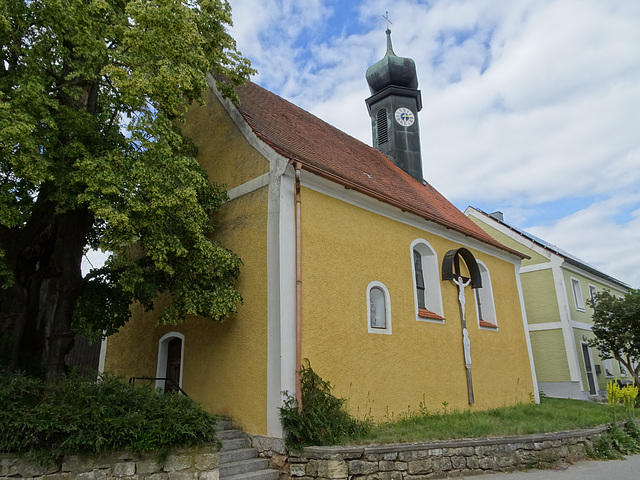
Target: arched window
{"points": [[378, 308], [426, 282], [170, 361], [485, 305]]}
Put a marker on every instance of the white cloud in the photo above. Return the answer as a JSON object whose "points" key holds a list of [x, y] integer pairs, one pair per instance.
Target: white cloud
{"points": [[594, 236]]}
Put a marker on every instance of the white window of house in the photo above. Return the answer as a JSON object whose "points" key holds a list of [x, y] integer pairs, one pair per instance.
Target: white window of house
{"points": [[623, 370], [378, 308], [577, 294], [608, 368], [170, 361], [485, 306], [426, 282], [592, 292]]}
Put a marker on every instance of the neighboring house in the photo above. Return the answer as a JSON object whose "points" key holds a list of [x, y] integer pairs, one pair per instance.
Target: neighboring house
{"points": [[556, 286], [349, 260]]}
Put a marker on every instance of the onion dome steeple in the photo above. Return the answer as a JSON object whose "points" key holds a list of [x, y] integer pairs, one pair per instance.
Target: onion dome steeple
{"points": [[392, 70], [393, 107]]}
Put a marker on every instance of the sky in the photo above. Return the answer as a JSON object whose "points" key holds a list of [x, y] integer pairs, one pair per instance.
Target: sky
{"points": [[530, 107]]}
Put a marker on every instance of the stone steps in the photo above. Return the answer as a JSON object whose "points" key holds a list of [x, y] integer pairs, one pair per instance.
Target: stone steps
{"points": [[238, 460]]}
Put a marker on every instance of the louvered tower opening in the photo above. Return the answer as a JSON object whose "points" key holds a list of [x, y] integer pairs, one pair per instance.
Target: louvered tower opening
{"points": [[383, 134]]}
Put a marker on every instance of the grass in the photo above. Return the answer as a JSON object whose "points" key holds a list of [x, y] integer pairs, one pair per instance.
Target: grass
{"points": [[551, 415]]}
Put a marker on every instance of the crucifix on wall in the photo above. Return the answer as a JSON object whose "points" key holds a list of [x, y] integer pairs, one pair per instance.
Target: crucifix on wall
{"points": [[451, 271]]}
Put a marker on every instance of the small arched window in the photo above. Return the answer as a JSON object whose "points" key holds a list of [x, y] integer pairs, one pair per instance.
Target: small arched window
{"points": [[378, 308], [485, 305], [426, 282]]}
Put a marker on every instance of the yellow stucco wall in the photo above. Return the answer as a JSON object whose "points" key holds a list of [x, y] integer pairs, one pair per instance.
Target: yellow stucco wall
{"points": [[225, 364], [540, 299], [510, 242], [549, 355], [222, 151], [384, 375]]}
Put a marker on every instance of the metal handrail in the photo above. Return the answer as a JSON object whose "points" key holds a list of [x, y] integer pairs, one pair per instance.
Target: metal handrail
{"points": [[132, 381]]}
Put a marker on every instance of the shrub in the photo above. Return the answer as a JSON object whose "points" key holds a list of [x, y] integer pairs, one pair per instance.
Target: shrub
{"points": [[322, 420], [46, 421]]}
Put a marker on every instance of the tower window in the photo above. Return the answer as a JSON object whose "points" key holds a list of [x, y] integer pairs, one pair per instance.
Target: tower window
{"points": [[383, 134]]}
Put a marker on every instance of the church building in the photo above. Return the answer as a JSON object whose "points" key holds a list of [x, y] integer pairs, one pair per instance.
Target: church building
{"points": [[352, 262]]}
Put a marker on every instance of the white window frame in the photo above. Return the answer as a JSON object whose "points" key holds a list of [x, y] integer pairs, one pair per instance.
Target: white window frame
{"points": [[387, 300], [577, 294], [431, 273], [163, 350], [593, 290], [486, 299], [608, 367]]}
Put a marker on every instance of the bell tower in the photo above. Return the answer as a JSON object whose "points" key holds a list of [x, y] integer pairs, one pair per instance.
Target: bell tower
{"points": [[393, 107]]}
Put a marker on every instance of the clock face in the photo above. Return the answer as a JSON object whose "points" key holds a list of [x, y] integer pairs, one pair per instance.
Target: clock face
{"points": [[405, 117]]}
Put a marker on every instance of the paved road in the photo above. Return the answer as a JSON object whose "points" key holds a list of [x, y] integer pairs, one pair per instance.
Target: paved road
{"points": [[628, 469]]}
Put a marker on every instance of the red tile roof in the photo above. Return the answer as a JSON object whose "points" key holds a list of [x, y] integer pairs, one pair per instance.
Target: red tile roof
{"points": [[328, 152]]}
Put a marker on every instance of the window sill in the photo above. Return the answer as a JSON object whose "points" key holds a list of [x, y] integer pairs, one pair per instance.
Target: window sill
{"points": [[424, 313], [488, 325]]}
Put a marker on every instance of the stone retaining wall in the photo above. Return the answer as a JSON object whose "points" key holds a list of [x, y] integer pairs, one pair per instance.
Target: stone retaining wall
{"points": [[184, 464], [441, 459]]}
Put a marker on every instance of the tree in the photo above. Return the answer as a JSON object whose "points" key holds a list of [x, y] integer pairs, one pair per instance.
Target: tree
{"points": [[91, 156], [616, 326]]}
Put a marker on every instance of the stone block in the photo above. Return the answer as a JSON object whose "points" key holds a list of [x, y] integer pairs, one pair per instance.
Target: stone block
{"points": [[417, 467], [332, 469], [278, 462], [506, 461], [412, 455], [388, 466], [298, 469], [442, 464], [148, 466], [124, 469], [28, 469], [57, 476], [390, 456], [268, 445], [384, 476], [92, 475], [487, 463], [8, 467], [458, 462], [472, 463], [210, 475], [206, 461], [158, 476], [183, 475], [175, 463], [359, 467]]}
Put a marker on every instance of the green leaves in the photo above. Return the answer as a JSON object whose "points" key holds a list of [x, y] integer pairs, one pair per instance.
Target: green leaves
{"points": [[616, 325], [91, 96], [46, 421]]}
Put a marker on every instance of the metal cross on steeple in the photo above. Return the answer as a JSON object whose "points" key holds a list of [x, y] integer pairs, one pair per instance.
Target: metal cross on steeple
{"points": [[386, 17]]}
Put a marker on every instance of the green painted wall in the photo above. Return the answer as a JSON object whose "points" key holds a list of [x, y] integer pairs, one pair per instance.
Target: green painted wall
{"points": [[540, 299], [549, 356]]}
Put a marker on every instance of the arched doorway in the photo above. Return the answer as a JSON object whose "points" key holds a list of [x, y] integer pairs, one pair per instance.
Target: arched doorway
{"points": [[170, 362]]}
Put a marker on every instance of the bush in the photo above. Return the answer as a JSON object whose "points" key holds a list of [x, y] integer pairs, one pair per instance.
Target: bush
{"points": [[46, 421], [322, 420]]}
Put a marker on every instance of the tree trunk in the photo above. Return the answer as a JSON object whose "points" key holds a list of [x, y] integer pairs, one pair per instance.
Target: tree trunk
{"points": [[38, 309]]}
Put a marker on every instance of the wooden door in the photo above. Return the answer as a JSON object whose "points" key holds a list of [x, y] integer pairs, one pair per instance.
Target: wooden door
{"points": [[174, 359]]}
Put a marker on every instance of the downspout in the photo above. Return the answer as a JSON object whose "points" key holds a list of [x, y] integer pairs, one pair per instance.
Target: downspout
{"points": [[297, 166]]}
